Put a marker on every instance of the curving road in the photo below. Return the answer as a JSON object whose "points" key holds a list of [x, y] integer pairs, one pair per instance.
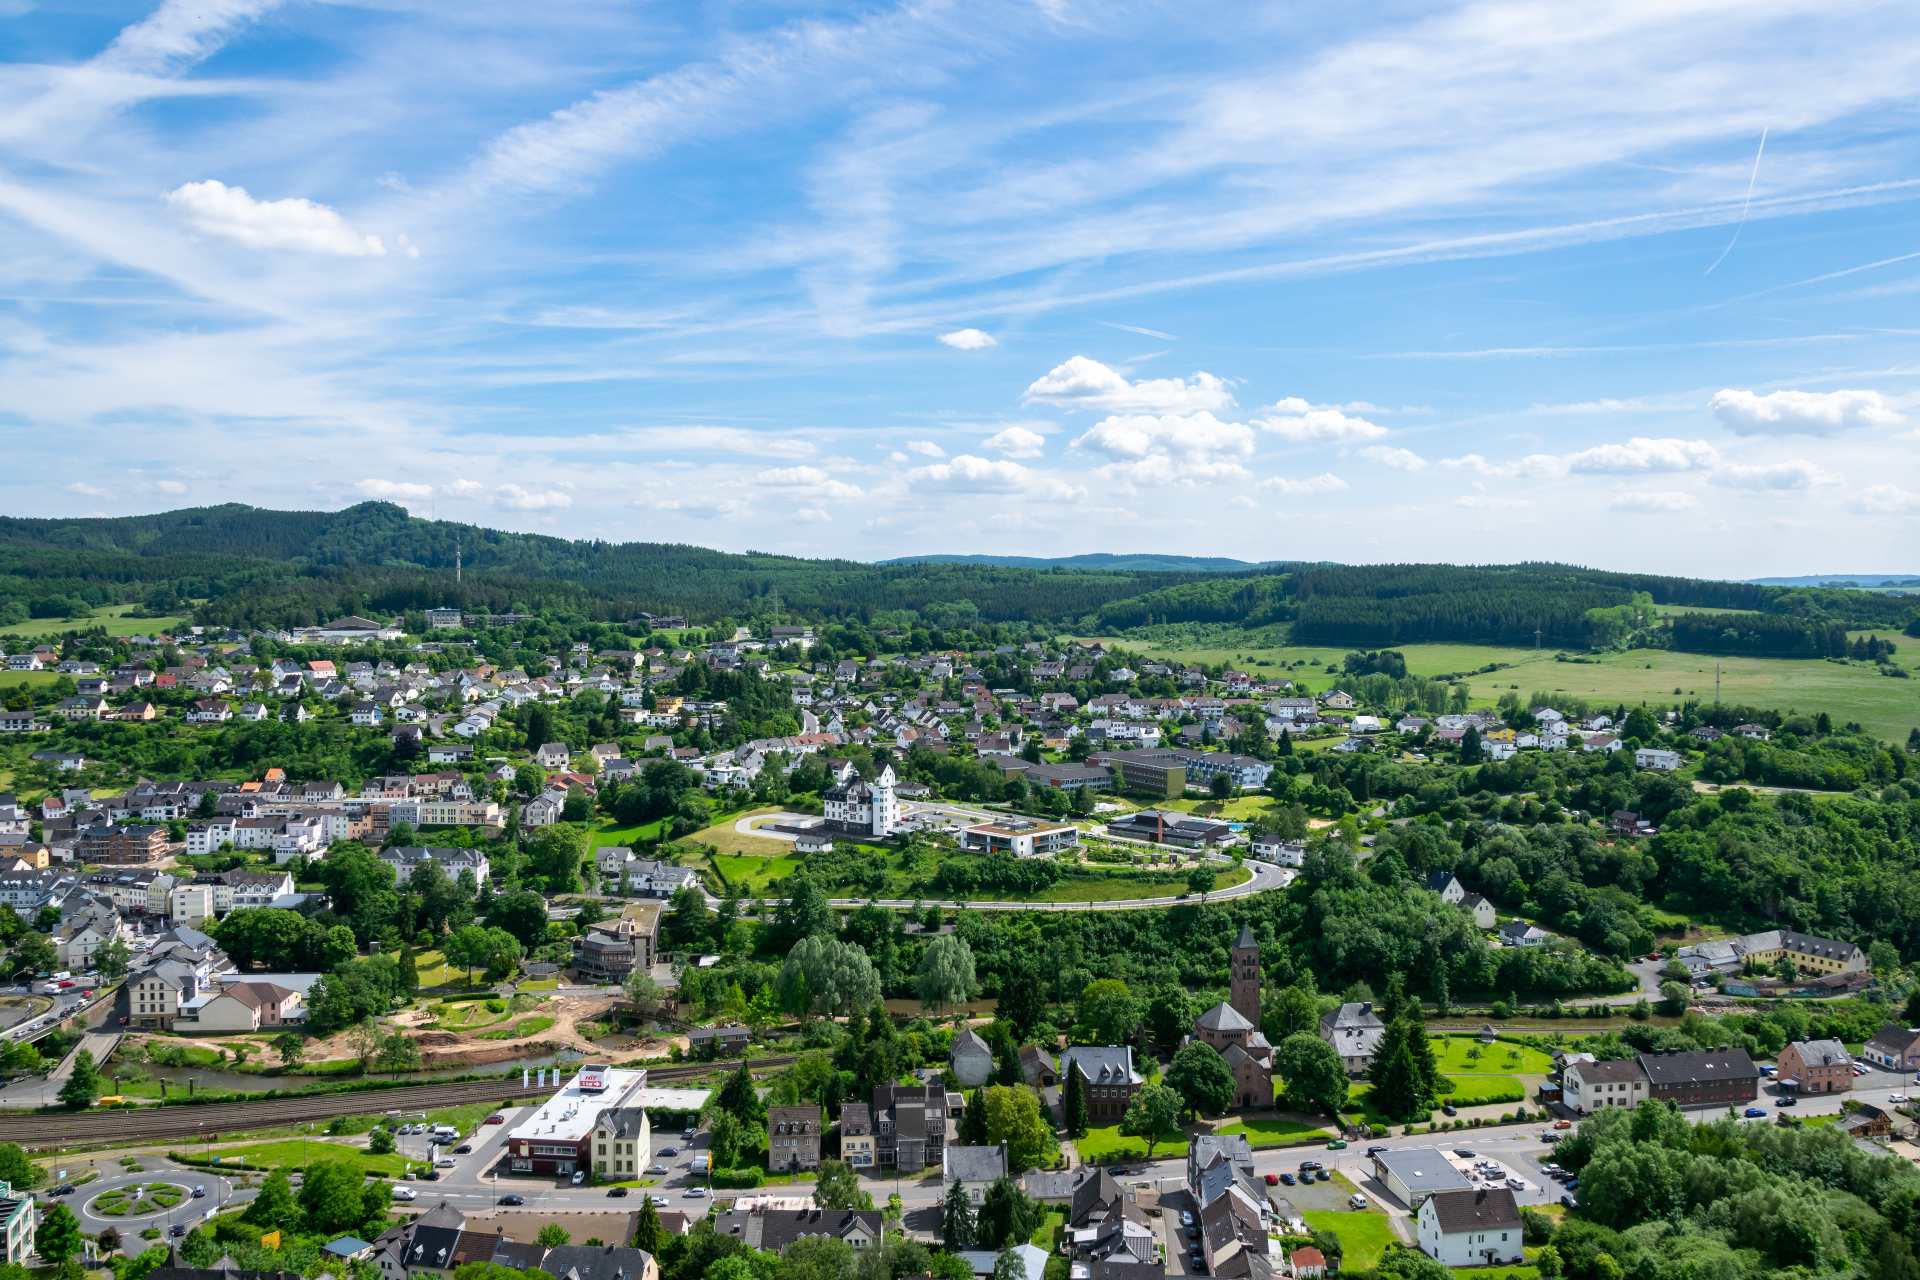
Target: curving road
{"points": [[187, 1213]]}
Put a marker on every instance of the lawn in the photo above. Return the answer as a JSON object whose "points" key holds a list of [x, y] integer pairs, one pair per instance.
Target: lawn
{"points": [[724, 838], [1108, 1143], [1043, 1236], [609, 833], [299, 1153], [1473, 1091], [1465, 1055], [121, 1202], [1845, 690], [1238, 809], [520, 1030], [1274, 1131], [750, 873], [470, 1015], [113, 620], [1364, 1235]]}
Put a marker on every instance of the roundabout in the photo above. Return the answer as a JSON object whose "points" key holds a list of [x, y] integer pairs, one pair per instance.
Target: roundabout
{"points": [[138, 1200], [133, 1202]]}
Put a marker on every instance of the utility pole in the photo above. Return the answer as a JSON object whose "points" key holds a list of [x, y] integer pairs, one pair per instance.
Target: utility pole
{"points": [[456, 562], [1536, 637], [1716, 684]]}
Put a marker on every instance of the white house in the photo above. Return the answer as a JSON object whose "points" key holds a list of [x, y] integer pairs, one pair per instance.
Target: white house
{"points": [[1656, 758], [1587, 1087], [1473, 1228]]}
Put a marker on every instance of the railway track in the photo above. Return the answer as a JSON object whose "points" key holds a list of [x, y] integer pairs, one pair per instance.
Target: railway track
{"points": [[207, 1121]]}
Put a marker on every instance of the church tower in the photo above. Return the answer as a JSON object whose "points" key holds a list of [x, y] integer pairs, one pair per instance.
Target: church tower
{"points": [[1244, 993]]}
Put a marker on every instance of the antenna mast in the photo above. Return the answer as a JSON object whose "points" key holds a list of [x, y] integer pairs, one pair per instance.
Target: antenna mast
{"points": [[456, 562]]}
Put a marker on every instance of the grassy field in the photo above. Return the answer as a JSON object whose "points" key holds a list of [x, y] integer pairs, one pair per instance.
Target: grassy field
{"points": [[610, 833], [1364, 1235], [1847, 691], [1043, 1236], [1465, 1055], [1108, 1143], [113, 620], [753, 874], [298, 1153], [1273, 1131]]}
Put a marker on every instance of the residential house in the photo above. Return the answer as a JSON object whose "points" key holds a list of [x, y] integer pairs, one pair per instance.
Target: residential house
{"points": [[973, 1169], [971, 1058], [1815, 1066], [1656, 758], [793, 1138], [1587, 1087], [1108, 1079], [1893, 1048], [1473, 1228], [1706, 1078], [1355, 1031]]}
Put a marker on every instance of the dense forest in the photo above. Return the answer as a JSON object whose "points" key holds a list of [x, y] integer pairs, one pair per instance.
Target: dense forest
{"points": [[244, 566]]}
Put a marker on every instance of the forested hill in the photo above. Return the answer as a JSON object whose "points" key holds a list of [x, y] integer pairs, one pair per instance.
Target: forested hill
{"points": [[253, 567], [260, 567]]}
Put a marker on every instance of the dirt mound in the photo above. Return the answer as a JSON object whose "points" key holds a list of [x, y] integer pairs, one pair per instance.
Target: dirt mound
{"points": [[436, 1039]]}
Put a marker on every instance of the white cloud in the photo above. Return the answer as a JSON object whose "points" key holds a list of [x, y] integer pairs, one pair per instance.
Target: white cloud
{"points": [[1169, 447], [966, 473], [1297, 422], [1643, 454], [1639, 456], [1775, 476], [1016, 442], [514, 498], [398, 489], [809, 478], [169, 486], [1886, 500], [1398, 459], [465, 488], [926, 449], [1326, 482], [812, 515], [1084, 383], [230, 213], [86, 490], [698, 508], [969, 340], [1811, 413], [1652, 500]]}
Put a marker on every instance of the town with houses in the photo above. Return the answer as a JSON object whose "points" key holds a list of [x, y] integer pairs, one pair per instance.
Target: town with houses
{"points": [[996, 1154]]}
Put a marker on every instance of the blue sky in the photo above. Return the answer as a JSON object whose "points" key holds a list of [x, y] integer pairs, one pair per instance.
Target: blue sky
{"points": [[1631, 284]]}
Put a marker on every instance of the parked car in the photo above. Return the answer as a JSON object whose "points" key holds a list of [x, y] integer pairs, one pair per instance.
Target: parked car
{"points": [[659, 1202], [1463, 1153], [1449, 1110], [1306, 1165], [1787, 1101], [579, 1176], [669, 1151], [1375, 1150], [1570, 1202], [444, 1162], [695, 1193], [1896, 1097], [1563, 1124], [405, 1193], [512, 1199], [463, 1149], [656, 1169], [1753, 1112], [1286, 1178], [495, 1118], [1337, 1144], [618, 1193]]}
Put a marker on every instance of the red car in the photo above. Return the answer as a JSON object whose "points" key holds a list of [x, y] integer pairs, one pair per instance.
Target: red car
{"points": [[1273, 1179], [1563, 1124], [495, 1118]]}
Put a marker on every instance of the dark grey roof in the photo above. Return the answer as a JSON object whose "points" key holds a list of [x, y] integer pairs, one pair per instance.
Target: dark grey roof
{"points": [[1614, 1071], [1704, 1066], [975, 1164], [1246, 940], [1101, 1064], [1482, 1209], [775, 1229], [621, 1122], [1223, 1017], [596, 1262]]}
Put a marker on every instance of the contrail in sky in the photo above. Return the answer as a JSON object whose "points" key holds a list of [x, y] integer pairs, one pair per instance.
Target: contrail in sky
{"points": [[1745, 204]]}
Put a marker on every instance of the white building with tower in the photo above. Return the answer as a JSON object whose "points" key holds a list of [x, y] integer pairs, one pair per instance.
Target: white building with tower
{"points": [[854, 806]]}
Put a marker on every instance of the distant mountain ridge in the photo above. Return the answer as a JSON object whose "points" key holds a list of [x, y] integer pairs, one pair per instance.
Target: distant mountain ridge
{"points": [[1842, 580], [1143, 562]]}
